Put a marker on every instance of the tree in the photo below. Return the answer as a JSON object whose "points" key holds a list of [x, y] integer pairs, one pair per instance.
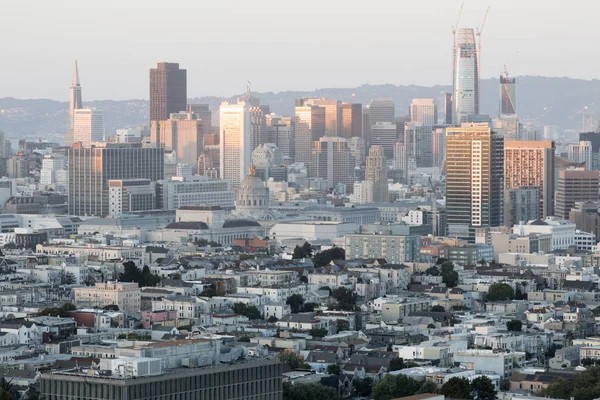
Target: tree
{"points": [[427, 387], [111, 307], [393, 386], [7, 389], [250, 312], [482, 262], [309, 391], [62, 311], [244, 339], [303, 278], [176, 277], [68, 278], [342, 325], [430, 326], [143, 277], [457, 388], [482, 388], [438, 308], [500, 292], [295, 302], [326, 256], [363, 387], [514, 325], [346, 298], [449, 275], [209, 291], [396, 364], [272, 319], [309, 307], [292, 359], [318, 332], [334, 369], [307, 249], [298, 253], [432, 271]]}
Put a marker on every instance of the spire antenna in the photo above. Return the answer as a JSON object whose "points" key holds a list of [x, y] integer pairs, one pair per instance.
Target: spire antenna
{"points": [[75, 81]]}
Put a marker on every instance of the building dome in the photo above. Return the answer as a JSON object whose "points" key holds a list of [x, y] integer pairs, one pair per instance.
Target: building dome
{"points": [[252, 196]]}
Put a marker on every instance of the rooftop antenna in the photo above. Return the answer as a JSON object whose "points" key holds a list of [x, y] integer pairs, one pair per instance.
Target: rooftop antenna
{"points": [[248, 84], [478, 32]]}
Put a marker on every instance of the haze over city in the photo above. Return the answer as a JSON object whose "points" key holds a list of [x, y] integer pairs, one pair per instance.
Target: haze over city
{"points": [[282, 45]]}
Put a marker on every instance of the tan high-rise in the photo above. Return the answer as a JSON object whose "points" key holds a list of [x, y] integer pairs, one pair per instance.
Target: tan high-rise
{"points": [[182, 133], [575, 185], [309, 126], [168, 90], [350, 123], [531, 163], [376, 172]]}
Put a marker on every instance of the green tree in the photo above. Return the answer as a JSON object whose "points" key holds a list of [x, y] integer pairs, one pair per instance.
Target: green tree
{"points": [[457, 388], [326, 256], [482, 388], [396, 364], [427, 387], [62, 311], [209, 291], [514, 325], [303, 279], [7, 389], [500, 292], [438, 308], [318, 332], [298, 253], [295, 302], [69, 278], [334, 369], [346, 298], [244, 339], [342, 325], [250, 312], [393, 386], [292, 359], [449, 275], [432, 271], [363, 387], [309, 307], [309, 391], [307, 249], [272, 319]]}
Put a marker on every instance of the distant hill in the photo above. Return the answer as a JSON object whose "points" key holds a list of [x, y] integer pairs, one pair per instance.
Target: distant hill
{"points": [[542, 100]]}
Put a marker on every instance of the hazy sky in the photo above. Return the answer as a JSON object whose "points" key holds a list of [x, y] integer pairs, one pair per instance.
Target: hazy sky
{"points": [[281, 44]]}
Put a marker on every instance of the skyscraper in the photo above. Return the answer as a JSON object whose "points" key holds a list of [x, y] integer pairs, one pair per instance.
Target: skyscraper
{"points": [[508, 96], [418, 143], [581, 152], [168, 90], [424, 111], [332, 161], [91, 168], [88, 126], [376, 172], [575, 185], [235, 141], [448, 108], [531, 163], [382, 110], [332, 113], [474, 179], [384, 134], [465, 97], [75, 103], [351, 120], [280, 130], [204, 114], [182, 133], [309, 125]]}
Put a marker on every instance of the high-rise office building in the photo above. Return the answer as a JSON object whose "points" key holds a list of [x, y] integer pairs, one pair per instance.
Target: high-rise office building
{"points": [[382, 110], [582, 153], [280, 130], [75, 102], [181, 133], [332, 113], [531, 163], [203, 114], [376, 172], [507, 96], [465, 97], [90, 169], [88, 126], [366, 124], [438, 139], [474, 179], [424, 111], [332, 161], [168, 90], [235, 141], [351, 120], [575, 185], [521, 205], [418, 143], [309, 125], [384, 134], [448, 108]]}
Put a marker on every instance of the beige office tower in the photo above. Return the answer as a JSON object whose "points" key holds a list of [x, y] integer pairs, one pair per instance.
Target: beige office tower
{"points": [[351, 120], [88, 126], [181, 133], [90, 170], [531, 163], [575, 185], [424, 111], [280, 130], [204, 114], [332, 113], [474, 179], [332, 161], [438, 138], [235, 139], [376, 172], [309, 125]]}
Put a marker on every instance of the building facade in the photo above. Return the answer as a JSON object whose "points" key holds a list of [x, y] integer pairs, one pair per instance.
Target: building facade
{"points": [[575, 185], [394, 248], [168, 90], [235, 141]]}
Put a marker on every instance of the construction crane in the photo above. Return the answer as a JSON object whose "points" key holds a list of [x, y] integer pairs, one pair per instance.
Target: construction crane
{"points": [[455, 26], [506, 90], [478, 32], [454, 30]]}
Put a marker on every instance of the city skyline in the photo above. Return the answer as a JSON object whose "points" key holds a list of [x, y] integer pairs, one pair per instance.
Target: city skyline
{"points": [[523, 49]]}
